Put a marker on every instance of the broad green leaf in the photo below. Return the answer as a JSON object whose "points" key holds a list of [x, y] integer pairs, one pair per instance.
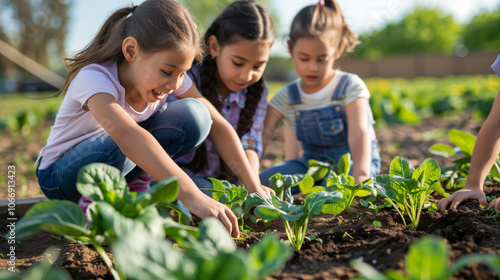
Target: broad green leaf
{"points": [[268, 255], [178, 232], [314, 202], [368, 271], [219, 188], [234, 195], [334, 208], [253, 200], [442, 150], [214, 233], [344, 164], [115, 225], [317, 169], [306, 186], [428, 172], [495, 171], [164, 191], [55, 216], [181, 210], [465, 141], [268, 212], [102, 182], [400, 166], [141, 255], [427, 258], [493, 261]]}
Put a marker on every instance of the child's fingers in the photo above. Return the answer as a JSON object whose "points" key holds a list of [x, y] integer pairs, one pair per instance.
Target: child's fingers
{"points": [[443, 203], [495, 204], [234, 223]]}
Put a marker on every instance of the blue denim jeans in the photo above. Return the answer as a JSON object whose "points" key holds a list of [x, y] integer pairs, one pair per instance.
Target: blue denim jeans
{"points": [[180, 128]]}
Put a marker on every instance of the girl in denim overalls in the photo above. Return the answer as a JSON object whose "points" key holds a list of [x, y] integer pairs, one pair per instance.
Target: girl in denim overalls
{"points": [[327, 109]]}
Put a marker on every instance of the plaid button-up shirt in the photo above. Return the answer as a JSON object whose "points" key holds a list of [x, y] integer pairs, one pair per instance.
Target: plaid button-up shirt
{"points": [[233, 105]]}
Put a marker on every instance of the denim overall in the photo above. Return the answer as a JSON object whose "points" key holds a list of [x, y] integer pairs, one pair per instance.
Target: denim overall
{"points": [[323, 134]]}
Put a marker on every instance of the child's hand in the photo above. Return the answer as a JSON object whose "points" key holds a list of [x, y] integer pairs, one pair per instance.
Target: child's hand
{"points": [[266, 191], [496, 204], [205, 206], [464, 194]]}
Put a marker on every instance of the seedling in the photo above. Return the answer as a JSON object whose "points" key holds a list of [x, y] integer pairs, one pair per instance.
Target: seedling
{"points": [[344, 184], [281, 184], [230, 195], [408, 189], [369, 202], [458, 173], [319, 170], [294, 217]]}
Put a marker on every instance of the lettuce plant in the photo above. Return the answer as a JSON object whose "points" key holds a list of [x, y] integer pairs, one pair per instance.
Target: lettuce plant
{"points": [[427, 259], [406, 188], [294, 217], [230, 195], [458, 173], [281, 184], [114, 212], [212, 255], [344, 184], [319, 170]]}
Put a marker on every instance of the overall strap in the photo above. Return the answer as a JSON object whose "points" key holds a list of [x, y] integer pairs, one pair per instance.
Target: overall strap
{"points": [[339, 92], [293, 94]]}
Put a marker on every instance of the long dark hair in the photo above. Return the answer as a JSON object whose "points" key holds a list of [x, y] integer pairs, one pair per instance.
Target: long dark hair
{"points": [[241, 20], [156, 25], [325, 22]]}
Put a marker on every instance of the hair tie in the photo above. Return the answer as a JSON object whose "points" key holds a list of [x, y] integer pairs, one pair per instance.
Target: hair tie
{"points": [[133, 9], [322, 3]]}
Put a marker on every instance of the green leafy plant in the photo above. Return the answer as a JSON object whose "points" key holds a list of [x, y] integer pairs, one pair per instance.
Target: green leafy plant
{"points": [[462, 153], [406, 188], [319, 170], [230, 195], [294, 217], [114, 212], [427, 259], [344, 184], [281, 184], [369, 202], [211, 255]]}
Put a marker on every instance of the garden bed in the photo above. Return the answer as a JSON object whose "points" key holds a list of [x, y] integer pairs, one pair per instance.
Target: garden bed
{"points": [[349, 236]]}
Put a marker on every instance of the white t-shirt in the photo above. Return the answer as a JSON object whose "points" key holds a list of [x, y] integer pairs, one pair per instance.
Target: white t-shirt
{"points": [[321, 99], [74, 122]]}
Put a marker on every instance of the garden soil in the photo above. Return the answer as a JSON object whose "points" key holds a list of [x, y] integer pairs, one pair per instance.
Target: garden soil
{"points": [[349, 236]]}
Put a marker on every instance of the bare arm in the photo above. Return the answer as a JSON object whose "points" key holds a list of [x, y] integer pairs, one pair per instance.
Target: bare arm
{"points": [[271, 122], [143, 149], [292, 144], [359, 138], [228, 145], [484, 154]]}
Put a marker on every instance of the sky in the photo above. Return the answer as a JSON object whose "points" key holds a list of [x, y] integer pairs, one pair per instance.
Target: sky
{"points": [[87, 16]]}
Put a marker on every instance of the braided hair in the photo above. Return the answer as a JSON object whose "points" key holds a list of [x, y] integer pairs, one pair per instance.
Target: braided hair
{"points": [[241, 20]]}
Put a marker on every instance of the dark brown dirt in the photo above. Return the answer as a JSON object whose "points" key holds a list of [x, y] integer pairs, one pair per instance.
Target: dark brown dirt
{"points": [[467, 229]]}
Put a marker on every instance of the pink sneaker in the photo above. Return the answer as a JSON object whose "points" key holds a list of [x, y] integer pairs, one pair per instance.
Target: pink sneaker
{"points": [[84, 203], [140, 183]]}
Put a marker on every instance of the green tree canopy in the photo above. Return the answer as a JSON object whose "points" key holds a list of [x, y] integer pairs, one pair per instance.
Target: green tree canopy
{"points": [[424, 30], [482, 32], [205, 11]]}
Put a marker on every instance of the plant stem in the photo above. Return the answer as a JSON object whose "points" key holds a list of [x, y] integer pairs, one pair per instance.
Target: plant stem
{"points": [[106, 260], [289, 233], [397, 209]]}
